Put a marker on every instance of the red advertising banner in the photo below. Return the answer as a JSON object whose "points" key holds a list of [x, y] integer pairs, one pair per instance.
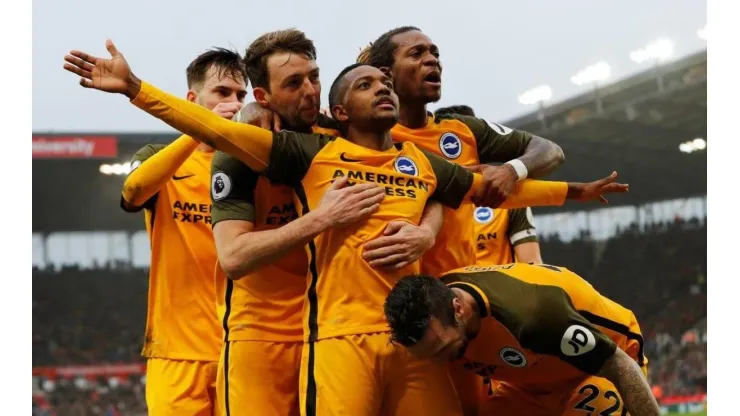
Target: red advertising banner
{"points": [[74, 147]]}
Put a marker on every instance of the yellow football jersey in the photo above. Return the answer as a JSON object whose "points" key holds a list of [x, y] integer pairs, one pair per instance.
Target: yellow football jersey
{"points": [[498, 231], [466, 141], [181, 318], [542, 326]]}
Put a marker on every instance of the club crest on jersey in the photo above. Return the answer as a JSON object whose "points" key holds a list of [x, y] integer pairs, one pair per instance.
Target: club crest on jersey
{"points": [[405, 165], [220, 186], [513, 357], [483, 215], [450, 145]]}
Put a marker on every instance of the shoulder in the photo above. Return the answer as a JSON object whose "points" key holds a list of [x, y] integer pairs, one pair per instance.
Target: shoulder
{"points": [[147, 151]]}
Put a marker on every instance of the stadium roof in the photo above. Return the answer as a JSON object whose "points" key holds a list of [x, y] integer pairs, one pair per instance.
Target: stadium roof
{"points": [[634, 126]]}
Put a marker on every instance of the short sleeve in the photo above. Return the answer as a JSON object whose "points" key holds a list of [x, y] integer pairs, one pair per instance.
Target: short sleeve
{"points": [[137, 159], [555, 328], [521, 226], [292, 154], [496, 143], [453, 181], [232, 189]]}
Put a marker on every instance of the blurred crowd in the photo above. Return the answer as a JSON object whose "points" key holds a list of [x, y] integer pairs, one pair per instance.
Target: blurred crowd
{"points": [[93, 317]]}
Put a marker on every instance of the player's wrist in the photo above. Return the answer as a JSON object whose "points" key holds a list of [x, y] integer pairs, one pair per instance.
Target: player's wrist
{"points": [[518, 169], [133, 87]]}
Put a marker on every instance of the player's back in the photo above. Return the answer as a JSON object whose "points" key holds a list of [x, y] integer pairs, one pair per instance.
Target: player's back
{"points": [[533, 315], [181, 319]]}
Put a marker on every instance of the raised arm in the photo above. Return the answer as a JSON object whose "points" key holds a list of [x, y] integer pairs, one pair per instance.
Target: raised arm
{"points": [[252, 145], [151, 167]]}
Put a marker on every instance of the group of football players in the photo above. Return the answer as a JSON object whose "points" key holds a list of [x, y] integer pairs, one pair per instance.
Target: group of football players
{"points": [[360, 260]]}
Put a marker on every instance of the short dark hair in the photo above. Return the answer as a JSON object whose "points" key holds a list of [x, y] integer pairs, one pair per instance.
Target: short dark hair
{"points": [[412, 304], [228, 62], [456, 109], [335, 90], [382, 50], [257, 54]]}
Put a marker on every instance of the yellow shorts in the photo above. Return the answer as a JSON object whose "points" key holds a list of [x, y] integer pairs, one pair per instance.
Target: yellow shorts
{"points": [[365, 375], [595, 395], [176, 387], [259, 378]]}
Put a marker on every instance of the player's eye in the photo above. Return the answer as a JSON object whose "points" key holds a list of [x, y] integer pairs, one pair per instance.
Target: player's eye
{"points": [[389, 84], [364, 85]]}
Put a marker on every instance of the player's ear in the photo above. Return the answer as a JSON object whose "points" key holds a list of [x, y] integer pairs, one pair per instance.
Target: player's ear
{"points": [[261, 96], [457, 306], [191, 96], [339, 114]]}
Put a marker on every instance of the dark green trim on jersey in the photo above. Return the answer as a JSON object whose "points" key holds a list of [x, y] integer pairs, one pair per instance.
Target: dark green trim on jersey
{"points": [[619, 328], [239, 203], [142, 155], [479, 301], [538, 316], [453, 181], [493, 147]]}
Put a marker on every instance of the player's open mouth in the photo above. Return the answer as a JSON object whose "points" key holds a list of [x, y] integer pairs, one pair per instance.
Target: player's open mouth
{"points": [[434, 78]]}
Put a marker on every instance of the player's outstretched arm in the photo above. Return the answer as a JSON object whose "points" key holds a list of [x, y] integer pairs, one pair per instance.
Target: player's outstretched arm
{"points": [[252, 145], [241, 250], [631, 384]]}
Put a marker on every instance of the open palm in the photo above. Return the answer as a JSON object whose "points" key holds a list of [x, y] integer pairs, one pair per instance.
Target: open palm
{"points": [[111, 75], [595, 191]]}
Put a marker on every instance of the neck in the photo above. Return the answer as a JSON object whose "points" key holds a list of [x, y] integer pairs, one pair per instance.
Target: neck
{"points": [[376, 140], [412, 115], [471, 314]]}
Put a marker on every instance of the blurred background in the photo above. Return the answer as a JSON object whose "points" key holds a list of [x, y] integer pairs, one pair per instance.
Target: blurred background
{"points": [[646, 250]]}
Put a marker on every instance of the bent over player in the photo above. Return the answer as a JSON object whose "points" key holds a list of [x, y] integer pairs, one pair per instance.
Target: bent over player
{"points": [[541, 330], [348, 365], [171, 183]]}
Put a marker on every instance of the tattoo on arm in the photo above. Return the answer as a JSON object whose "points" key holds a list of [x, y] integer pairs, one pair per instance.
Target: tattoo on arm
{"points": [[631, 384], [541, 157]]}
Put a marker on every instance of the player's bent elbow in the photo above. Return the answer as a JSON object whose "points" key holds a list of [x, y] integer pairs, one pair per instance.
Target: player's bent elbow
{"points": [[232, 268]]}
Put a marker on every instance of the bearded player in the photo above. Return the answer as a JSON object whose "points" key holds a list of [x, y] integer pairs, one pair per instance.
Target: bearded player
{"points": [[347, 356], [171, 183], [542, 330], [261, 243]]}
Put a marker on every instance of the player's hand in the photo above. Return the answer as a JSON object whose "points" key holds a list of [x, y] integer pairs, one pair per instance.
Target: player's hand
{"points": [[110, 75], [256, 115], [343, 205], [402, 243], [593, 191], [498, 182], [227, 110]]}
